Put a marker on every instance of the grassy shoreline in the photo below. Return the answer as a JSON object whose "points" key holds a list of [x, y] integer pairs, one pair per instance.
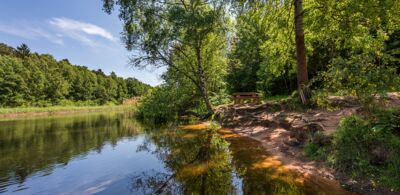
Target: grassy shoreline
{"points": [[57, 110]]}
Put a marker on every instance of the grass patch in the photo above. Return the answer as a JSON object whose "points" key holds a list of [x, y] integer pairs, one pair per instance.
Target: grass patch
{"points": [[316, 147], [52, 109], [315, 151]]}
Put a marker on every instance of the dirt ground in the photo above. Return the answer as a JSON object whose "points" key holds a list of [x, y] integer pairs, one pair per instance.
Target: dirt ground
{"points": [[282, 133]]}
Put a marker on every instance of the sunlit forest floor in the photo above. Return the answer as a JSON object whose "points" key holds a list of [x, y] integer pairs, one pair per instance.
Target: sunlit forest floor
{"points": [[284, 133]]}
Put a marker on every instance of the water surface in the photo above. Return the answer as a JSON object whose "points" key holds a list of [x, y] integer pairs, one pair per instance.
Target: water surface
{"points": [[111, 153]]}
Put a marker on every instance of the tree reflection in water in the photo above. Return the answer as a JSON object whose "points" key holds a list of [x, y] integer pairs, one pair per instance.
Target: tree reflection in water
{"points": [[203, 162], [196, 162], [43, 144]]}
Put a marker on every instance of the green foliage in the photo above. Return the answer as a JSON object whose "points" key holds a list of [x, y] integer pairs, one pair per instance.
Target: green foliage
{"points": [[350, 51], [369, 146], [351, 146], [7, 50], [350, 45], [185, 36], [188, 38], [246, 52], [135, 87], [28, 79], [316, 147], [23, 50], [179, 96], [361, 77], [220, 98], [356, 42], [158, 106], [277, 74], [263, 56], [12, 83], [311, 150], [390, 175]]}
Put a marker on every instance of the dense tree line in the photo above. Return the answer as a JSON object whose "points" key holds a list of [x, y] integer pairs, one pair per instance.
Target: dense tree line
{"points": [[32, 79]]}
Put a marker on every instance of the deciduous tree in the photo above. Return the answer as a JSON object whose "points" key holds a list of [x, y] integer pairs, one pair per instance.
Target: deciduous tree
{"points": [[163, 31]]}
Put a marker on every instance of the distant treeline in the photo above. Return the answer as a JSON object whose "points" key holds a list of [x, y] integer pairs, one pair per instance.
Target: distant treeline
{"points": [[32, 79]]}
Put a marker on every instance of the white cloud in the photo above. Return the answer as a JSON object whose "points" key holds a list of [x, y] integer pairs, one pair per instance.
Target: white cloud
{"points": [[51, 37], [29, 32], [80, 30], [56, 30]]}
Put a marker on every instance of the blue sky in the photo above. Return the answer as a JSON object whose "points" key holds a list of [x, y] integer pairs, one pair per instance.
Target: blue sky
{"points": [[77, 30]]}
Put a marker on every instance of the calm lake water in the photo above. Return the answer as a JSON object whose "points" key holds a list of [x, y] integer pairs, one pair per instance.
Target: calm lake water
{"points": [[111, 153]]}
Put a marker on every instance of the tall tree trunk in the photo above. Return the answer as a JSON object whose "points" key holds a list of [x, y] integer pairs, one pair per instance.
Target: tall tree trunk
{"points": [[302, 73], [201, 82]]}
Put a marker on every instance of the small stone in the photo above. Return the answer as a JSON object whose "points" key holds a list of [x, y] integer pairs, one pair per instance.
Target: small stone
{"points": [[292, 142]]}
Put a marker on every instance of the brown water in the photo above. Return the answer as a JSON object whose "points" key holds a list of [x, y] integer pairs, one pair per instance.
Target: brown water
{"points": [[111, 153]]}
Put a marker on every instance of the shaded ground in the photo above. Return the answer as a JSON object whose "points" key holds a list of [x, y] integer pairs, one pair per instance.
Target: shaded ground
{"points": [[282, 133]]}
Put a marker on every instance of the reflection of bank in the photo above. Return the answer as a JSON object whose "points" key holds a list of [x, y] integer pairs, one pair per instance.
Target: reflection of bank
{"points": [[29, 146]]}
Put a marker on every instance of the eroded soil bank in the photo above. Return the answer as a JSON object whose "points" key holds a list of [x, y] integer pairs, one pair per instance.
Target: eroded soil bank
{"points": [[283, 132]]}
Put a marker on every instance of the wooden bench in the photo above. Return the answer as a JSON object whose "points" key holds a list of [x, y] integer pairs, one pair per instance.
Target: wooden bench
{"points": [[244, 97]]}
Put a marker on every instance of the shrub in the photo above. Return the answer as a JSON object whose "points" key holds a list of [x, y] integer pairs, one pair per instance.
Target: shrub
{"points": [[157, 106], [316, 146], [351, 146], [369, 145], [359, 76], [221, 98], [166, 103]]}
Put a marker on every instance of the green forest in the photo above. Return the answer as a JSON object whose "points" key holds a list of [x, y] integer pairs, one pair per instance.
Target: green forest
{"points": [[30, 79], [307, 50]]}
